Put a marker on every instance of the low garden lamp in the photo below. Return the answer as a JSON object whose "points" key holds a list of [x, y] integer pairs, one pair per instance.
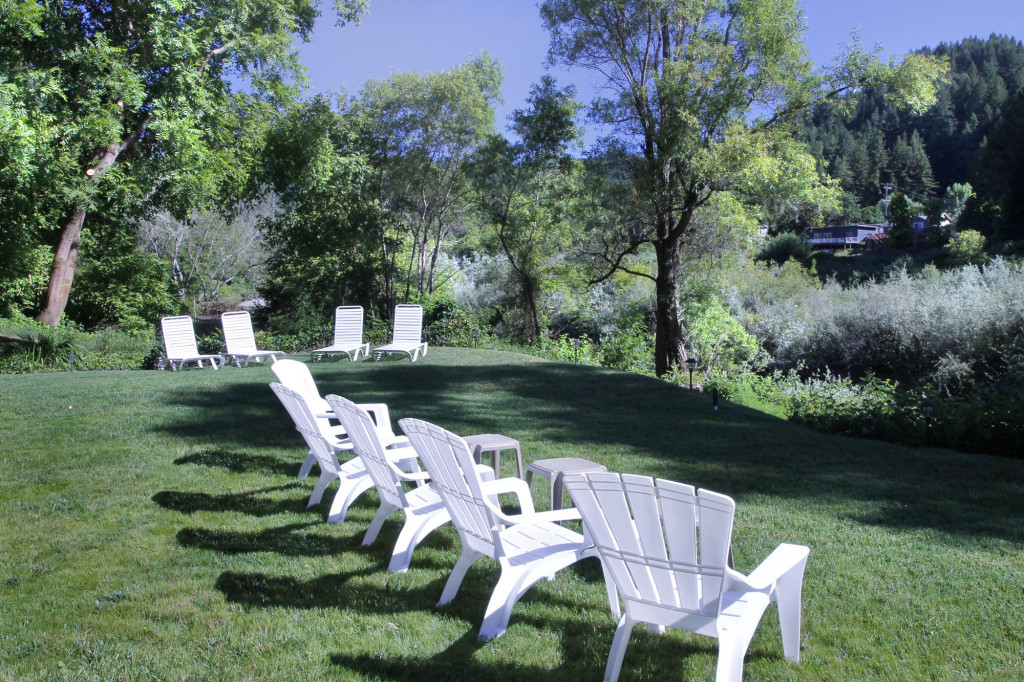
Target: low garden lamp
{"points": [[71, 360], [691, 363], [576, 350], [476, 337]]}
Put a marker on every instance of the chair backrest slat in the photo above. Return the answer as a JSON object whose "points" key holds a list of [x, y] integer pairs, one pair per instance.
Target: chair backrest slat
{"points": [[179, 337], [296, 376], [408, 324], [661, 541], [305, 423], [453, 475], [238, 334], [366, 444], [348, 326]]}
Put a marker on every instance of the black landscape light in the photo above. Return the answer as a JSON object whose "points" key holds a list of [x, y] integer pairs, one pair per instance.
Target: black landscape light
{"points": [[691, 363], [476, 336], [576, 350], [71, 359], [928, 412]]}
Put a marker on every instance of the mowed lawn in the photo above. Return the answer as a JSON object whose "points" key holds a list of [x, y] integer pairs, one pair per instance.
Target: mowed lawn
{"points": [[152, 527]]}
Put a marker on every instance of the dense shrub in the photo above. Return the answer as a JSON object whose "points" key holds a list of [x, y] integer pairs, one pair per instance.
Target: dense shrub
{"points": [[910, 328], [28, 346], [785, 247], [630, 348]]}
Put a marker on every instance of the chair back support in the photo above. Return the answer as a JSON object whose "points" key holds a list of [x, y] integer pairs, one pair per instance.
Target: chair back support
{"points": [[179, 337], [238, 335], [305, 423], [348, 326], [408, 324], [453, 474], [366, 444], [661, 542], [296, 376]]}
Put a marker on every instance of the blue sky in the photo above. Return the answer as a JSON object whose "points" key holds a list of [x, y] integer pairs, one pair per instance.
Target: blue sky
{"points": [[433, 35]]}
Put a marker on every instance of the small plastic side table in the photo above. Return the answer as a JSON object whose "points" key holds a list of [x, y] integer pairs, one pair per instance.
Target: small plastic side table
{"points": [[494, 443], [556, 468]]}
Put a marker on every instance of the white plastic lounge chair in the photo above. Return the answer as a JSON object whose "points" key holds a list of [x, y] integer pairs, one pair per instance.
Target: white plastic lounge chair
{"points": [[296, 376], [664, 546], [351, 476], [407, 336], [528, 546], [348, 335], [180, 344], [240, 340]]}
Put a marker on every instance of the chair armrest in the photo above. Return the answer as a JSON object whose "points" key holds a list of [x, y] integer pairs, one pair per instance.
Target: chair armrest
{"points": [[416, 476], [492, 489], [784, 559], [553, 516], [402, 454]]}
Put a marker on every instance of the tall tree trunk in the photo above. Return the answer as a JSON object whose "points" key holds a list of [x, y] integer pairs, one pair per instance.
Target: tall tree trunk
{"points": [[65, 260], [668, 337]]}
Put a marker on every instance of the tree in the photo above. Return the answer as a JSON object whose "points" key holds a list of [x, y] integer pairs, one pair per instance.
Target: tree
{"points": [[209, 249], [524, 190], [901, 210], [424, 128], [137, 99], [328, 245], [696, 91]]}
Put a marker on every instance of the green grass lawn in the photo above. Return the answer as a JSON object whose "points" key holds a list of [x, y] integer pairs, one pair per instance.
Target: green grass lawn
{"points": [[151, 527]]}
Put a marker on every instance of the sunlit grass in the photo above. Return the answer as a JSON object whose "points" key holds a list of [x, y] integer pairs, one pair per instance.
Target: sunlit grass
{"points": [[151, 526]]}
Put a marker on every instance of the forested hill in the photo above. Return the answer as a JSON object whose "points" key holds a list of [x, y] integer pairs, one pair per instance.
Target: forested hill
{"points": [[921, 154]]}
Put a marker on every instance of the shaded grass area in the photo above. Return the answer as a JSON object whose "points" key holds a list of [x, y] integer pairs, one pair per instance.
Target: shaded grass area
{"points": [[151, 526]]}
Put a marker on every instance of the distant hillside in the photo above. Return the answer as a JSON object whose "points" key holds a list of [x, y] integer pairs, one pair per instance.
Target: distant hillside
{"points": [[926, 153]]}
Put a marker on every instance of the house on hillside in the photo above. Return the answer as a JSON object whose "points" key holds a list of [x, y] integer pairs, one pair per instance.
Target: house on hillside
{"points": [[844, 237]]}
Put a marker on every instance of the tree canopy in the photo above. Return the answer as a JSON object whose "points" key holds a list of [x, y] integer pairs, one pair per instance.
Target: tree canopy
{"points": [[696, 91], [119, 106]]}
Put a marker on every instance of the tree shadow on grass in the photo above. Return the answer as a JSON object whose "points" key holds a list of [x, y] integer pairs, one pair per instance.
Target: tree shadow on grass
{"points": [[248, 502], [666, 431], [334, 591], [240, 462], [287, 540], [584, 656]]}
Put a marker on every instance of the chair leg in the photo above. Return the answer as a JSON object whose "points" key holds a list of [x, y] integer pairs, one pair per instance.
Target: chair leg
{"points": [[351, 487], [451, 588], [618, 652], [415, 529], [788, 594], [321, 485], [511, 586], [383, 512], [307, 465]]}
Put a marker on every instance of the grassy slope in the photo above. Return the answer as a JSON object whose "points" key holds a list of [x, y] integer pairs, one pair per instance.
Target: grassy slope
{"points": [[151, 526]]}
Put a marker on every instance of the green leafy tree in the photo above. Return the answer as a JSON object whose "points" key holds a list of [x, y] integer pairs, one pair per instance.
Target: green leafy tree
{"points": [[120, 102], [424, 128], [901, 210], [327, 244], [968, 248], [696, 91], [526, 191]]}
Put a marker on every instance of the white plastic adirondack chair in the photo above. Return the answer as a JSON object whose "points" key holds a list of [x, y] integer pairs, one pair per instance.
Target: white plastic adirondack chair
{"points": [[528, 546], [296, 376], [241, 341], [665, 548], [423, 508], [351, 476], [407, 336], [348, 335], [180, 344]]}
